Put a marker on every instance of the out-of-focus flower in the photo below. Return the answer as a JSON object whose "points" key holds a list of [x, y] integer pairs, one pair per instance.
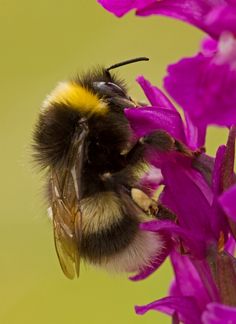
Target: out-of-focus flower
{"points": [[212, 16], [204, 85]]}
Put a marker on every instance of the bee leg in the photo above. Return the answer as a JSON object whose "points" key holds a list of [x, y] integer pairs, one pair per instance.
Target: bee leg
{"points": [[152, 207], [143, 201], [135, 154], [164, 213], [164, 142]]}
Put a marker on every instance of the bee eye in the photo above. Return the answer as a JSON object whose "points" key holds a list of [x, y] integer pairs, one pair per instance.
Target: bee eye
{"points": [[116, 88], [109, 88]]}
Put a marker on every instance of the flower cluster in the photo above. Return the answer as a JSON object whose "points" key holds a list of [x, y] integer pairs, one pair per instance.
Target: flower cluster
{"points": [[199, 190]]}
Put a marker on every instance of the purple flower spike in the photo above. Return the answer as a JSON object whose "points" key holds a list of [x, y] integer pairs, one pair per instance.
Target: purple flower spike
{"points": [[191, 191], [196, 211]]}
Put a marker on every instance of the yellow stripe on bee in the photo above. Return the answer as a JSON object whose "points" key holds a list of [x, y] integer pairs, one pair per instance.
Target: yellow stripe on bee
{"points": [[74, 95]]}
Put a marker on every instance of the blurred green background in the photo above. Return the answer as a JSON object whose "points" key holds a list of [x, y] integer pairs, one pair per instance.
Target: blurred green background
{"points": [[43, 42]]}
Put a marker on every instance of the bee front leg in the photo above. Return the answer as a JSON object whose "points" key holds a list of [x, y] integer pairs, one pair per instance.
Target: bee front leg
{"points": [[161, 141], [164, 142]]}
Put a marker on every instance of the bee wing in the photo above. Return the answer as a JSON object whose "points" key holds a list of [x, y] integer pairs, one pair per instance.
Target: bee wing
{"points": [[67, 231], [67, 219]]}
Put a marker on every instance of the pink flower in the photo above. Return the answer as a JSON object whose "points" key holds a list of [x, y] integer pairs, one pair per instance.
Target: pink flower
{"points": [[204, 85], [212, 16]]}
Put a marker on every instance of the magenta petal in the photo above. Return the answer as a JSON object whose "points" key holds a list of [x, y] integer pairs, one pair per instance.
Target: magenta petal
{"points": [[228, 202], [193, 278], [205, 90], [155, 96], [184, 196], [151, 180], [185, 307], [146, 120], [195, 135], [219, 314], [192, 241], [221, 18], [191, 11], [205, 273], [156, 263], [188, 281], [174, 288], [209, 46], [119, 8], [213, 17], [205, 165]]}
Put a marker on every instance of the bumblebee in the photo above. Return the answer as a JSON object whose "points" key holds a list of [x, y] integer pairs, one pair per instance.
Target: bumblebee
{"points": [[94, 165]]}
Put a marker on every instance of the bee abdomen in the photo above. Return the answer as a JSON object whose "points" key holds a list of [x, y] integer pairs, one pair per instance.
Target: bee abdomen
{"points": [[111, 236], [107, 226], [138, 255], [105, 243]]}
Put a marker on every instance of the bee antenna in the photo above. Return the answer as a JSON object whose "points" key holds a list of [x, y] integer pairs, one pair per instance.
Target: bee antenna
{"points": [[137, 59]]}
